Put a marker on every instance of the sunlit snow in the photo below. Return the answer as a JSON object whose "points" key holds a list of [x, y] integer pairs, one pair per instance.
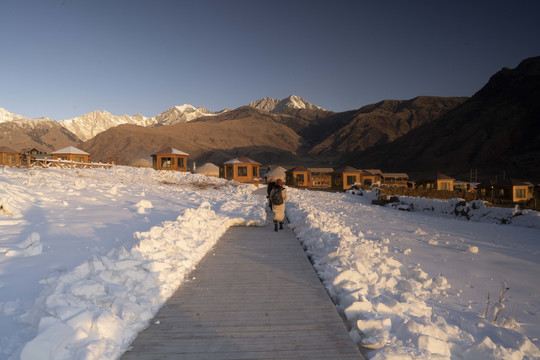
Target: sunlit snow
{"points": [[87, 257]]}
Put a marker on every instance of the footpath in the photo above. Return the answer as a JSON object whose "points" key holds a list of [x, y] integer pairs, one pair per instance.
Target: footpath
{"points": [[255, 295]]}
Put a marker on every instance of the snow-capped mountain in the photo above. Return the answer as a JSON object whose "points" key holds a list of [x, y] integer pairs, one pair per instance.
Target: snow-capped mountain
{"points": [[89, 125], [179, 114], [7, 116], [277, 105]]}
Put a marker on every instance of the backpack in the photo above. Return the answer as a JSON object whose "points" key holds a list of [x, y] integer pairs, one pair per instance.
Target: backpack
{"points": [[277, 197]]}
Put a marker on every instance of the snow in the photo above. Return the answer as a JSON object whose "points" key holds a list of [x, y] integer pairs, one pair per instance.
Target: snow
{"points": [[7, 116], [87, 257], [70, 150]]}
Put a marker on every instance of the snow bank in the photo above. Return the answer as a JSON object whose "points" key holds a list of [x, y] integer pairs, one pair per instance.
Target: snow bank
{"points": [[95, 310], [475, 210], [389, 307], [104, 259]]}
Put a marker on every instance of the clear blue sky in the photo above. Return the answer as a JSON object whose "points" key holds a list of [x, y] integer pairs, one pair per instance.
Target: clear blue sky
{"points": [[64, 58]]}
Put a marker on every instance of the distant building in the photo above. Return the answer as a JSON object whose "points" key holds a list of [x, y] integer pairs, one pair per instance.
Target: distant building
{"points": [[510, 190], [297, 176], [71, 153], [396, 179], [345, 177], [241, 169], [320, 177], [9, 157], [436, 181], [370, 177], [170, 159]]}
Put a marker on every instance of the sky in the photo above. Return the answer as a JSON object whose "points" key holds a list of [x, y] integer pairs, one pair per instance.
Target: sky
{"points": [[64, 58]]}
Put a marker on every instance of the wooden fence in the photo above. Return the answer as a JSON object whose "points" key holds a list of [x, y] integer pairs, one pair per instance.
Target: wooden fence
{"points": [[66, 164]]}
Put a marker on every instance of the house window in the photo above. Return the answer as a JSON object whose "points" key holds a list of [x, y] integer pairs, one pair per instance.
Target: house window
{"points": [[520, 193], [10, 158], [255, 172], [338, 180], [78, 159], [242, 171], [180, 162], [351, 179], [229, 172], [167, 162], [300, 179]]}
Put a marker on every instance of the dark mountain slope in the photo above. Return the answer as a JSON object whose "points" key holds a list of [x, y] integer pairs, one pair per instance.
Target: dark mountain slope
{"points": [[497, 130], [382, 123]]}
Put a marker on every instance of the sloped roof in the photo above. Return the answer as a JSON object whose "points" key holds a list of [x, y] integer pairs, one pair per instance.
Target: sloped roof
{"points": [[207, 168], [374, 171], [395, 175], [437, 176], [511, 182], [323, 170], [241, 160], [346, 169], [70, 150], [170, 151], [297, 168], [5, 149]]}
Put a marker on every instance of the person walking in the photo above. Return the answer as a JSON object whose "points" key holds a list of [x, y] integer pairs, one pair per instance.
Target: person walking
{"points": [[271, 185], [278, 196]]}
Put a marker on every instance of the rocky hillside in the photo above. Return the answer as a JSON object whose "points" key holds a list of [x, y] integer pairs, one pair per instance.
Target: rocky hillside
{"points": [[243, 131], [497, 131], [43, 134], [277, 106], [382, 123], [296, 136]]}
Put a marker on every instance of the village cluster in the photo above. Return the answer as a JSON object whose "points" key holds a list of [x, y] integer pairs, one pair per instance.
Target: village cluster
{"points": [[246, 170]]}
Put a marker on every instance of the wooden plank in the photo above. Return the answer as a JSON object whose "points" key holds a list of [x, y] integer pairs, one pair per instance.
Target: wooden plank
{"points": [[255, 295]]}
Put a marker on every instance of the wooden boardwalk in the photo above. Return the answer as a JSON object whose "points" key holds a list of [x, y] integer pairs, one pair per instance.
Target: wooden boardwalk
{"points": [[254, 296]]}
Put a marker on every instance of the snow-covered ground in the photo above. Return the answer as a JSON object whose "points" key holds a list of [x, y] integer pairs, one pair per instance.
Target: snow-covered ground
{"points": [[88, 256]]}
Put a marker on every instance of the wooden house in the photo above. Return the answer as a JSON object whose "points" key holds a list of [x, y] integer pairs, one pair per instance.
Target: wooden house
{"points": [[344, 178], [170, 159], [297, 176], [208, 169], [9, 157], [370, 177], [510, 190], [320, 177], [437, 181], [71, 153], [395, 179], [241, 169]]}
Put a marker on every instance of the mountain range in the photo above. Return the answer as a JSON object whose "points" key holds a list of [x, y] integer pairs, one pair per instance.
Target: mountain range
{"points": [[495, 131]]}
